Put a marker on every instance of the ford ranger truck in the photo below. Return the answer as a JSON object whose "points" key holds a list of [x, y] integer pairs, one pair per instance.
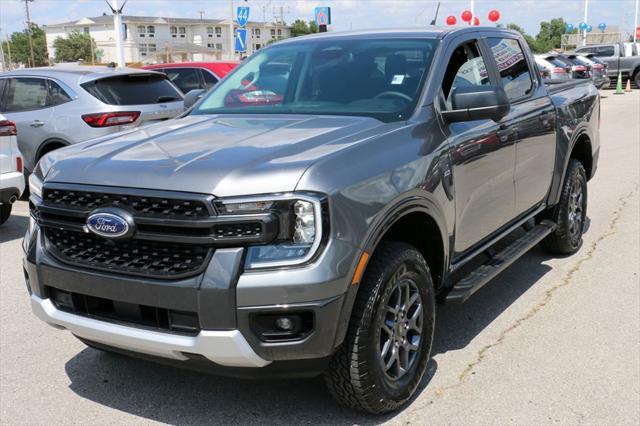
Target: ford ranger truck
{"points": [[304, 216]]}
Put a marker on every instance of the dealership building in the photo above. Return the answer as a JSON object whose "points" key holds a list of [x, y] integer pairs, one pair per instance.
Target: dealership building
{"points": [[152, 40]]}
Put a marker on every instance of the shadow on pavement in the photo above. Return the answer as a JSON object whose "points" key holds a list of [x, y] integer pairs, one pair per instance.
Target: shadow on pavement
{"points": [[172, 395], [14, 228]]}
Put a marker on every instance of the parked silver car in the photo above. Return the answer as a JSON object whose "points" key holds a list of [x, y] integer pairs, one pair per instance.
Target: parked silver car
{"points": [[55, 106], [551, 71]]}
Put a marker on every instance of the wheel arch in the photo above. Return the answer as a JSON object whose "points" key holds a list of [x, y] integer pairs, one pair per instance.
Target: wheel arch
{"points": [[50, 145]]}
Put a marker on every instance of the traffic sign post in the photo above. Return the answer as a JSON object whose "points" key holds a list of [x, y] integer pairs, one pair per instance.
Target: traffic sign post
{"points": [[241, 40], [242, 16]]}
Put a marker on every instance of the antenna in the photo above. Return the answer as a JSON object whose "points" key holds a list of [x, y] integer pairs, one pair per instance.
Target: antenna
{"points": [[435, 18]]}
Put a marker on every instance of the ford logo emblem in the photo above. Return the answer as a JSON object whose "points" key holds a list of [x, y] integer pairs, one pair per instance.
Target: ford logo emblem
{"points": [[110, 223]]}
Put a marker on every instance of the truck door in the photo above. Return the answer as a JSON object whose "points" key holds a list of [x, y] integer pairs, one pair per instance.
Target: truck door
{"points": [[532, 118], [483, 154]]}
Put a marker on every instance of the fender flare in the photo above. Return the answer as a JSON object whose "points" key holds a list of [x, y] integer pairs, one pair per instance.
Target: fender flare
{"points": [[556, 186], [410, 202]]}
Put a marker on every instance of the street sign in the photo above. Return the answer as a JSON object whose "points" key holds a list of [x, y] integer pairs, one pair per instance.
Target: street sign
{"points": [[242, 16], [323, 15], [241, 40]]}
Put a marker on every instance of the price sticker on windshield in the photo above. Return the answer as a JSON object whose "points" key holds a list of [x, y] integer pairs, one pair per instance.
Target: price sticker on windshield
{"points": [[397, 79]]}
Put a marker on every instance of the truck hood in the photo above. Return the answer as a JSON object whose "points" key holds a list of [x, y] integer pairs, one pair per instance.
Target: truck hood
{"points": [[222, 155]]}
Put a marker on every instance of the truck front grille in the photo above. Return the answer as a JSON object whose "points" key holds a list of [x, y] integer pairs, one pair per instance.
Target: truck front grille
{"points": [[137, 257], [80, 200]]}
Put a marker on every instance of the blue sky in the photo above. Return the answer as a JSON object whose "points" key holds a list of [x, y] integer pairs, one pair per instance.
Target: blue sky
{"points": [[346, 14]]}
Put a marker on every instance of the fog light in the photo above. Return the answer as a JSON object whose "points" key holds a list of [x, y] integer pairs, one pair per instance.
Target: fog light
{"points": [[284, 324]]}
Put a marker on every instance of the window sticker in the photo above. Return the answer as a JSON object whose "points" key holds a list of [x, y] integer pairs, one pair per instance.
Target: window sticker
{"points": [[397, 79]]}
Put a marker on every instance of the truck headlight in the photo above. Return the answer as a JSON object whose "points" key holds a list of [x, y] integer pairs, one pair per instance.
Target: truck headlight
{"points": [[302, 220], [35, 185]]}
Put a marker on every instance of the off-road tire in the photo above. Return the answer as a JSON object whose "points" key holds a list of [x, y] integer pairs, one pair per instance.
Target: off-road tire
{"points": [[562, 241], [355, 376], [5, 212]]}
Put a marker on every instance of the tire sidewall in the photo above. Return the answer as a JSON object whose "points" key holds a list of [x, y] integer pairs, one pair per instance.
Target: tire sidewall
{"points": [[399, 391], [577, 175]]}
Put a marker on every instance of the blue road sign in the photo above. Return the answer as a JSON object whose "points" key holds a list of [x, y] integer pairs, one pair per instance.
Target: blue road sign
{"points": [[323, 15], [241, 40], [242, 16]]}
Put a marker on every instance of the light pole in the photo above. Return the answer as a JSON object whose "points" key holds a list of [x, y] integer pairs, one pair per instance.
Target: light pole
{"points": [[26, 7], [635, 23], [201, 12], [586, 14], [232, 44], [117, 27]]}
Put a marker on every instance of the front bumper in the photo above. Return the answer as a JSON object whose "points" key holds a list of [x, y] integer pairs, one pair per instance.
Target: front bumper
{"points": [[224, 298], [224, 347]]}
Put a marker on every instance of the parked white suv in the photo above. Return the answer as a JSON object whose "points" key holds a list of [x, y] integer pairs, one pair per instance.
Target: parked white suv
{"points": [[11, 177]]}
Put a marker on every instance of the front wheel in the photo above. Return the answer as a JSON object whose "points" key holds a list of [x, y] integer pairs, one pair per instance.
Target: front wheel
{"points": [[388, 344], [570, 213]]}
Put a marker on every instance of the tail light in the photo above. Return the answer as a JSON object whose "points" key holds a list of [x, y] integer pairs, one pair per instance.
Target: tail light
{"points": [[19, 164], [579, 68], [107, 119], [598, 66], [558, 70], [8, 128]]}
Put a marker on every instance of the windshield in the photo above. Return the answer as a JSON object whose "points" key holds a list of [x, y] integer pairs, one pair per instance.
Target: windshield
{"points": [[380, 78]]}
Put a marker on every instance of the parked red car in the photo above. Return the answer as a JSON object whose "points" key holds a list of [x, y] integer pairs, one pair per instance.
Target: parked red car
{"points": [[194, 75]]}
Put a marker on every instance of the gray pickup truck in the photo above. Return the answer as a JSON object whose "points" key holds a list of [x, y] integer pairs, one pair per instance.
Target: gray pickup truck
{"points": [[306, 214], [613, 55]]}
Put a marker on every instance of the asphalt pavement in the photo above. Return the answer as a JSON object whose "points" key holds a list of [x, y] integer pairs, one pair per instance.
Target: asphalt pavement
{"points": [[550, 341]]}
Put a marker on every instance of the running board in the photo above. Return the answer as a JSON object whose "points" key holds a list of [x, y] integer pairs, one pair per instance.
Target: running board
{"points": [[471, 283]]}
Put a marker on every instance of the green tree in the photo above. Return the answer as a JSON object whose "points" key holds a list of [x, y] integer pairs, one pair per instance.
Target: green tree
{"points": [[550, 34], [19, 45], [76, 46], [301, 27]]}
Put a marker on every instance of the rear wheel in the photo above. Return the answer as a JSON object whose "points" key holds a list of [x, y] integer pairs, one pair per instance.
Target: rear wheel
{"points": [[570, 213], [388, 344], [5, 212], [636, 78]]}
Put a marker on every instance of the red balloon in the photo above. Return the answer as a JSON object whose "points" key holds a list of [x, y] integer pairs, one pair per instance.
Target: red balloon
{"points": [[494, 15], [476, 21], [466, 16], [451, 20]]}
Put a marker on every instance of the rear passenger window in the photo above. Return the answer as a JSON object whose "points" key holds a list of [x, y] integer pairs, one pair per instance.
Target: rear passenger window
{"points": [[133, 89], [605, 51], [466, 68], [57, 95], [185, 78], [209, 79], [512, 64], [25, 94]]}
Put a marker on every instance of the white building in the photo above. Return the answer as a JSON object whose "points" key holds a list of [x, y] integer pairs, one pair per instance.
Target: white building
{"points": [[149, 39]]}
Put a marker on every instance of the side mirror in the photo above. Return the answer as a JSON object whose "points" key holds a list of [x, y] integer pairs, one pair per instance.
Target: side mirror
{"points": [[192, 97], [477, 103]]}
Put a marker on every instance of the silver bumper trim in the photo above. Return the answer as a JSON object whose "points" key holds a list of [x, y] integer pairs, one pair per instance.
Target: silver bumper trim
{"points": [[227, 347]]}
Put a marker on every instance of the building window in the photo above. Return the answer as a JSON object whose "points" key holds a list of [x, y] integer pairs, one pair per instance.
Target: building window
{"points": [[209, 31], [142, 48], [182, 31], [258, 32], [273, 32], [141, 30], [174, 32], [151, 30], [279, 32], [210, 45], [218, 32], [152, 47], [219, 46], [85, 30], [258, 46]]}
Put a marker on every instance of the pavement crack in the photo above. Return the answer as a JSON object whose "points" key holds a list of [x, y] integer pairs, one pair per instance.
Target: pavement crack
{"points": [[612, 228]]}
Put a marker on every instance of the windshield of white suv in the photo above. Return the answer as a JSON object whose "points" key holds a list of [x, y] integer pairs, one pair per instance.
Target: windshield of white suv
{"points": [[380, 78]]}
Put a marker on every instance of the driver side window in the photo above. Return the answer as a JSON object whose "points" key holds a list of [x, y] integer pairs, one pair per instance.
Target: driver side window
{"points": [[466, 68]]}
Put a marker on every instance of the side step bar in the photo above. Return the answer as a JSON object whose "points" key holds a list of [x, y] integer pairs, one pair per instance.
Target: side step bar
{"points": [[471, 283]]}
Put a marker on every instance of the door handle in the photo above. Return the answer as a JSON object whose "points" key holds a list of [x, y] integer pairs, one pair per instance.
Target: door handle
{"points": [[37, 123]]}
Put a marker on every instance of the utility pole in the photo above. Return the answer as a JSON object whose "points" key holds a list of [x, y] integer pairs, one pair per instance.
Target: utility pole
{"points": [[472, 8], [4, 62], [201, 12], [9, 52], [26, 8]]}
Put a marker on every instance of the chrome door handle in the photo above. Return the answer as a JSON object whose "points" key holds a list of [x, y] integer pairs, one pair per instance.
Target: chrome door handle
{"points": [[37, 123]]}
